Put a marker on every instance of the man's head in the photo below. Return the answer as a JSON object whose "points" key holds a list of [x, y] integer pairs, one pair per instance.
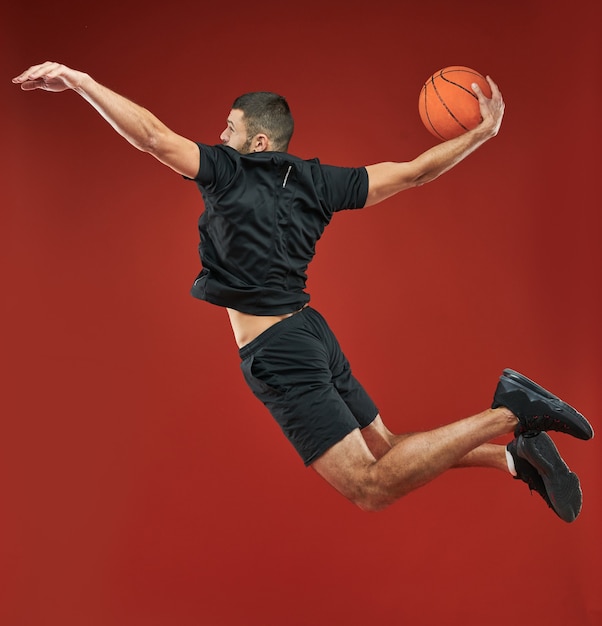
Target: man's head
{"points": [[259, 121]]}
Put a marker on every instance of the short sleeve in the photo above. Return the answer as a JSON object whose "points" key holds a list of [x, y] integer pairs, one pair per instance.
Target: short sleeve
{"points": [[345, 187], [217, 166]]}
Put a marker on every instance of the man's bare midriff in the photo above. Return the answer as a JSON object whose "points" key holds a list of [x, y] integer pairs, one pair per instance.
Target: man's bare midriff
{"points": [[247, 327]]}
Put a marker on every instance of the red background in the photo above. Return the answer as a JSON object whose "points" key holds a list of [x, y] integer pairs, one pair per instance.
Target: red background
{"points": [[141, 483]]}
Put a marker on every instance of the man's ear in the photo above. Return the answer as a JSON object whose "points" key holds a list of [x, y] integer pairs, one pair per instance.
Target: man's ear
{"points": [[260, 143]]}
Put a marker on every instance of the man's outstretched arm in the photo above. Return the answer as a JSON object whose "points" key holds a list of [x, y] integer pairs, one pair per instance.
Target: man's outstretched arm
{"points": [[133, 122], [387, 179]]}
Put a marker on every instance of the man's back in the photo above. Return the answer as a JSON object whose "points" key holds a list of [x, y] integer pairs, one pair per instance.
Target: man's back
{"points": [[264, 213]]}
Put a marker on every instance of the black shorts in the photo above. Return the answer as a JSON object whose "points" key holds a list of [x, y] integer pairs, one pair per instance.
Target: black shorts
{"points": [[297, 369]]}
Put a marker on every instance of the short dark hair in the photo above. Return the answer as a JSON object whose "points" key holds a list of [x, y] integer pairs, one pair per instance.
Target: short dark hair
{"points": [[269, 113]]}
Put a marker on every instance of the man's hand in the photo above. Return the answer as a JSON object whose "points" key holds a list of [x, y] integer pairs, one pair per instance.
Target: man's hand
{"points": [[492, 109], [387, 179], [49, 76]]}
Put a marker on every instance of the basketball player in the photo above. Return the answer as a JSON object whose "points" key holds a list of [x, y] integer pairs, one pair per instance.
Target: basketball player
{"points": [[264, 211]]}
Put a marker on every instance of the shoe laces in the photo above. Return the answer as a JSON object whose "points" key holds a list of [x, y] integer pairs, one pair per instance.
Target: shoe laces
{"points": [[531, 423]]}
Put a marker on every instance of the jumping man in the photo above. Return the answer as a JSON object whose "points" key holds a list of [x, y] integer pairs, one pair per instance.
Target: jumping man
{"points": [[264, 210]]}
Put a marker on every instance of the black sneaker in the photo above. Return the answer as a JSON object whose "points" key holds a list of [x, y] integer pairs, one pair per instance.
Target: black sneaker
{"points": [[539, 464], [538, 409]]}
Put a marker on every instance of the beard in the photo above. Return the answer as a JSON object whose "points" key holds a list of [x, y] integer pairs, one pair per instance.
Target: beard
{"points": [[246, 147]]}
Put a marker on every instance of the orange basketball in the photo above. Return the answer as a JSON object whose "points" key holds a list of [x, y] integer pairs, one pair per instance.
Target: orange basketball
{"points": [[448, 106]]}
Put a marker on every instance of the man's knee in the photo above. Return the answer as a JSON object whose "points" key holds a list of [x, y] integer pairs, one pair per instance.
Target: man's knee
{"points": [[353, 470], [370, 495], [371, 505]]}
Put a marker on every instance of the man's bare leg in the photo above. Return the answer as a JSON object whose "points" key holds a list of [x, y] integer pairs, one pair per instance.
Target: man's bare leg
{"points": [[380, 440], [374, 481]]}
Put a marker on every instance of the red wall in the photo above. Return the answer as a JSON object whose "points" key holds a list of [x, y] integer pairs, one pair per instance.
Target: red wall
{"points": [[141, 483]]}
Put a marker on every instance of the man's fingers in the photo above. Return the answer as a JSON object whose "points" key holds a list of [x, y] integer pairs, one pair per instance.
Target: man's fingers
{"points": [[30, 85], [492, 84], [36, 71], [478, 91], [495, 92], [49, 76]]}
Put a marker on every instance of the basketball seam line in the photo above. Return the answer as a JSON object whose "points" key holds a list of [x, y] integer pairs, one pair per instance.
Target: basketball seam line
{"points": [[445, 105], [426, 110]]}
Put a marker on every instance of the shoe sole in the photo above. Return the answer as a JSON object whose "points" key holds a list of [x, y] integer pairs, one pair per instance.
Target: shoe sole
{"points": [[519, 382], [562, 485]]}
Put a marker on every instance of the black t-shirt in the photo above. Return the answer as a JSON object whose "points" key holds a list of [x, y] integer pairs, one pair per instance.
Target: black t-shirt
{"points": [[264, 213]]}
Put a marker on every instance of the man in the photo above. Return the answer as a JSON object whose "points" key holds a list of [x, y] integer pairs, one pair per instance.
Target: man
{"points": [[264, 211]]}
